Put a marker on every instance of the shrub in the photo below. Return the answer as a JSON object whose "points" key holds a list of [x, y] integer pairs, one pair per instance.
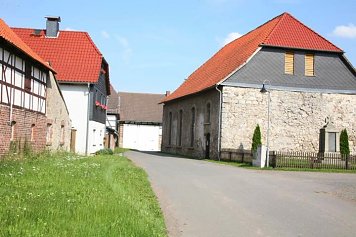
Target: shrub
{"points": [[256, 139], [106, 151], [344, 143]]}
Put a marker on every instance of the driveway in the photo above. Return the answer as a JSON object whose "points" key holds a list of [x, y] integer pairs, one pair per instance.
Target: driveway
{"points": [[200, 198]]}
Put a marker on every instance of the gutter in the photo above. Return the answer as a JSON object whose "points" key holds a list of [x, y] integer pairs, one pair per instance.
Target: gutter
{"points": [[87, 132], [219, 121]]}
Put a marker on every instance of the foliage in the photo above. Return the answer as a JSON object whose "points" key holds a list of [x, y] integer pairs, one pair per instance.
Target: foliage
{"points": [[105, 151], [118, 150], [256, 139], [65, 194], [344, 143]]}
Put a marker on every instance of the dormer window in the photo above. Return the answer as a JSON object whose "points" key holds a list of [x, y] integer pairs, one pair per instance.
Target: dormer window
{"points": [[289, 63], [309, 65]]}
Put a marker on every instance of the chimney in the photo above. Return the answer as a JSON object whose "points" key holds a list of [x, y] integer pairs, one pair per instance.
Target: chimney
{"points": [[168, 93], [52, 26]]}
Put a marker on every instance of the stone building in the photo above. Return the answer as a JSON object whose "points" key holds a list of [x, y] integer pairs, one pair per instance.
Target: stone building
{"points": [[307, 78]]}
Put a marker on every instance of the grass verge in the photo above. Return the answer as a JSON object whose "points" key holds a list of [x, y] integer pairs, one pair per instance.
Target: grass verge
{"points": [[69, 195], [249, 166]]}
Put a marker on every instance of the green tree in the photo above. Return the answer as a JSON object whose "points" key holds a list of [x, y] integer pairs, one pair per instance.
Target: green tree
{"points": [[344, 143], [256, 139]]}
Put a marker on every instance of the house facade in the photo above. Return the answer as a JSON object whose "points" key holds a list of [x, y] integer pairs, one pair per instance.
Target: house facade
{"points": [[24, 77], [308, 79], [83, 77], [112, 120], [140, 124]]}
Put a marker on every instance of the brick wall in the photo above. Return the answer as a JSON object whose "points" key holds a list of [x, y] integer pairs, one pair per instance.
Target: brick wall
{"points": [[28, 125]]}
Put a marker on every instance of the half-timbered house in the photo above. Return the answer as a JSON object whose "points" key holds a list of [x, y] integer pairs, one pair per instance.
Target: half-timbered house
{"points": [[23, 83]]}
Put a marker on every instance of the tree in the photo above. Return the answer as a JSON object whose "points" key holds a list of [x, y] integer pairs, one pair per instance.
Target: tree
{"points": [[256, 139], [344, 143]]}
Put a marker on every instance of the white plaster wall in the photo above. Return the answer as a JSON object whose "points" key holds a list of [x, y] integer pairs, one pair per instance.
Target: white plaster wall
{"points": [[142, 137], [111, 121], [76, 98], [96, 136]]}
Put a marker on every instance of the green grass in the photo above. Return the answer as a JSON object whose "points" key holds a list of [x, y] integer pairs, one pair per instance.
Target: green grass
{"points": [[69, 195], [249, 166]]}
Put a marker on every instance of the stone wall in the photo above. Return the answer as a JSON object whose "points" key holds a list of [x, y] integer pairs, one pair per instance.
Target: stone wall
{"points": [[199, 102], [58, 116], [296, 118]]}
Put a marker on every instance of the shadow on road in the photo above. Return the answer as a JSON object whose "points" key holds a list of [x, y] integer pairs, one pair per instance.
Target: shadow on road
{"points": [[163, 154]]}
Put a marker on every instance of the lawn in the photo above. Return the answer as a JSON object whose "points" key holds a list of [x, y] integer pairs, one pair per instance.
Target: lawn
{"points": [[70, 195]]}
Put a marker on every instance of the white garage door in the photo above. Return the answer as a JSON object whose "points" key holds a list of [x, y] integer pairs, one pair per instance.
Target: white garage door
{"points": [[142, 137]]}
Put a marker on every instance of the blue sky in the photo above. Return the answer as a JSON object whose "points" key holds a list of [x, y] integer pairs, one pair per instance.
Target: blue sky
{"points": [[152, 46]]}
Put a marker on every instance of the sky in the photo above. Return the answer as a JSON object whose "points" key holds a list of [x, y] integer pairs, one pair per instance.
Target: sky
{"points": [[153, 46]]}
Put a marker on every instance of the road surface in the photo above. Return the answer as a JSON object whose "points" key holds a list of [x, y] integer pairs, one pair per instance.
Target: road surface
{"points": [[200, 198]]}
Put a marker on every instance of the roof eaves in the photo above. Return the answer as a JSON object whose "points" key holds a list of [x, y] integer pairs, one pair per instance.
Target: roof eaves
{"points": [[241, 66], [310, 49]]}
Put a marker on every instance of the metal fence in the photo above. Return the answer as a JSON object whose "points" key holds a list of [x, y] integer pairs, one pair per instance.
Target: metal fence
{"points": [[312, 160]]}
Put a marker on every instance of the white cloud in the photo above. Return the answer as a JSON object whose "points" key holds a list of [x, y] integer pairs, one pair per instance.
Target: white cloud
{"points": [[126, 49], [105, 34], [343, 31], [230, 37]]}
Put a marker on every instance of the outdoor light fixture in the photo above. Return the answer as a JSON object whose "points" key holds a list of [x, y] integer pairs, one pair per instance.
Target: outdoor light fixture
{"points": [[263, 91]]}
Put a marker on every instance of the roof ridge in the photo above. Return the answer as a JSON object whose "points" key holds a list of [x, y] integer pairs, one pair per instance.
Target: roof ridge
{"points": [[275, 26], [315, 32]]}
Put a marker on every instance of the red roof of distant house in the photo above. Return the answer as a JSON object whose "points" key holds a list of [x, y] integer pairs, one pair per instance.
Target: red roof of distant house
{"points": [[281, 31], [73, 54], [12, 38]]}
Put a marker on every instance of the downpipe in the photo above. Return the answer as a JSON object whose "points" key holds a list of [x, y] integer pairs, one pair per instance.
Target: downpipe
{"points": [[87, 132], [219, 121]]}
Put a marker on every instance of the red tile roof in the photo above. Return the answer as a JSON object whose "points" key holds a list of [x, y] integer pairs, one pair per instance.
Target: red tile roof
{"points": [[281, 31], [73, 54], [10, 36]]}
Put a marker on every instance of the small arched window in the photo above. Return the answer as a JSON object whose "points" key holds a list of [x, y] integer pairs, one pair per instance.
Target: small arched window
{"points": [[192, 128], [208, 113]]}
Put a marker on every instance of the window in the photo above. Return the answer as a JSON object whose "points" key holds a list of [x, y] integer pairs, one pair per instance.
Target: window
{"points": [[289, 63], [207, 113], [170, 129], [309, 65], [28, 73], [332, 141], [180, 127], [32, 132], [49, 134], [192, 128], [62, 135]]}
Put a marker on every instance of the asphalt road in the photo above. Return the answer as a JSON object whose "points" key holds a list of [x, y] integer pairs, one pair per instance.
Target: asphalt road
{"points": [[200, 198]]}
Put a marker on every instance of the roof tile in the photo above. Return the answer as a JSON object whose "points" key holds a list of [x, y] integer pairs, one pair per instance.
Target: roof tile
{"points": [[73, 54]]}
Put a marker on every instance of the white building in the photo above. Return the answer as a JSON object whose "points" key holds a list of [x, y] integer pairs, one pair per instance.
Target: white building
{"points": [[140, 125], [83, 76]]}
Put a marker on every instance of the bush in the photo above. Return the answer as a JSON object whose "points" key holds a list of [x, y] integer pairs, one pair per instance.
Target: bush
{"points": [[344, 143], [256, 139], [106, 151]]}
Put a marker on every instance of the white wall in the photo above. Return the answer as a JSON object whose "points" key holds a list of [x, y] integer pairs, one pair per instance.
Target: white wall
{"points": [[111, 121], [142, 137], [76, 98], [96, 136]]}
